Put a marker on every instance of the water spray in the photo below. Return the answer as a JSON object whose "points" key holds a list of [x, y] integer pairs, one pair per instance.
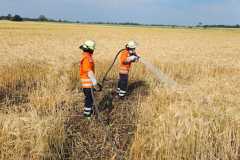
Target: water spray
{"points": [[158, 74]]}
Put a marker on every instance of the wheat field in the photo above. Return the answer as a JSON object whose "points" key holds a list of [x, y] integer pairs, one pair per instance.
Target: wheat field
{"points": [[40, 97]]}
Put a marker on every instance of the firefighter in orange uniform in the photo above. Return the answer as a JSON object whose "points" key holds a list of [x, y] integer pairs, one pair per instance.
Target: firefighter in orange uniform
{"points": [[127, 57], [87, 76]]}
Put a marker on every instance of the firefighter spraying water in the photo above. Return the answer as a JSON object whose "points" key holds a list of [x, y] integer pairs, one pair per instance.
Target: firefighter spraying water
{"points": [[127, 57]]}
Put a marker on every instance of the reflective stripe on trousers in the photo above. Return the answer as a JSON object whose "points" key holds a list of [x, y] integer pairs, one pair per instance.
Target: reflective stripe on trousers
{"points": [[88, 101], [122, 84], [122, 93]]}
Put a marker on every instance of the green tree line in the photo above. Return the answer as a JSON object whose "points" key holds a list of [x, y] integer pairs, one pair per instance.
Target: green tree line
{"points": [[43, 18]]}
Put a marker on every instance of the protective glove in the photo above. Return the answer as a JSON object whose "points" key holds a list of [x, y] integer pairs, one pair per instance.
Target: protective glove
{"points": [[132, 58], [97, 88], [137, 58]]}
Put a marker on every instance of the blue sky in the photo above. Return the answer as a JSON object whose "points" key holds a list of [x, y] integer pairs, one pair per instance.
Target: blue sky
{"points": [[180, 12]]}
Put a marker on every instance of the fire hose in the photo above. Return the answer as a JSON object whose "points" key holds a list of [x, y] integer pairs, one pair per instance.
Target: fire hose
{"points": [[110, 67]]}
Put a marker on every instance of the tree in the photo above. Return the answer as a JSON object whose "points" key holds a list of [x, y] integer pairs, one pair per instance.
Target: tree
{"points": [[9, 17], [42, 18], [17, 18], [200, 24]]}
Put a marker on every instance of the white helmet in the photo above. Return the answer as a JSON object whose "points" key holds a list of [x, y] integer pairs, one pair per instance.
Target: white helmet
{"points": [[89, 44], [131, 45]]}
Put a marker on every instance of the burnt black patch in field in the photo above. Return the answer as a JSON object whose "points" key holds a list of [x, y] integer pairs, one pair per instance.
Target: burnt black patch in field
{"points": [[15, 94], [110, 133]]}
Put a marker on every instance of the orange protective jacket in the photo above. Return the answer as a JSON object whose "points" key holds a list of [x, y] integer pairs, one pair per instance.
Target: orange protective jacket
{"points": [[124, 68], [86, 65]]}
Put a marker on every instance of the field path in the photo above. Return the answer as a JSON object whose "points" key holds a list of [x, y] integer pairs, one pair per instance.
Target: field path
{"points": [[88, 139]]}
